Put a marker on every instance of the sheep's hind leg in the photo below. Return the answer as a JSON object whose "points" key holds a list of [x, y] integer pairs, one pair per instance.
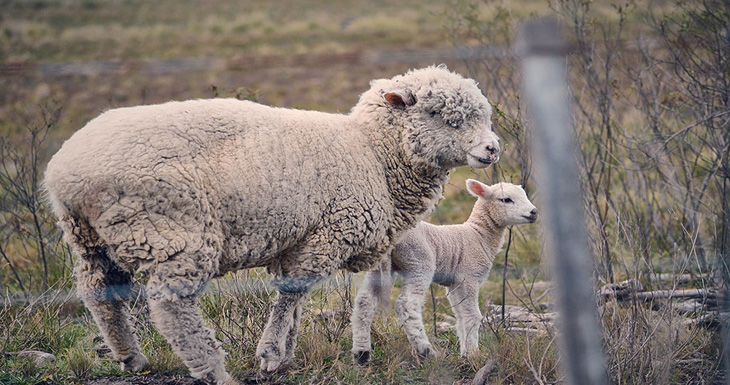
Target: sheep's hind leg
{"points": [[278, 342], [104, 288], [409, 310], [173, 292], [363, 314]]}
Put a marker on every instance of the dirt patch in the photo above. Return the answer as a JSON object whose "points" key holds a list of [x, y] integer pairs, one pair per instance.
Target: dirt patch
{"points": [[249, 378], [145, 379]]}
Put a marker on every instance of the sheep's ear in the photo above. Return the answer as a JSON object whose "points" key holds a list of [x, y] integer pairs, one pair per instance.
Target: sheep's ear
{"points": [[398, 100], [477, 188]]}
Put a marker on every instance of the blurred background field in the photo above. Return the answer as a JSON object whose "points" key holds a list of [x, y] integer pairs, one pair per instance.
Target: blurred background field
{"points": [[650, 86]]}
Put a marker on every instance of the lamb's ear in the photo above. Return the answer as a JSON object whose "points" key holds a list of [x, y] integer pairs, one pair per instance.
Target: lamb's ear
{"points": [[477, 188], [400, 99]]}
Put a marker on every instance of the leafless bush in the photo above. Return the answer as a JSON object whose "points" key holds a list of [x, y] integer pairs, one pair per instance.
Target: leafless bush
{"points": [[650, 87], [30, 246]]}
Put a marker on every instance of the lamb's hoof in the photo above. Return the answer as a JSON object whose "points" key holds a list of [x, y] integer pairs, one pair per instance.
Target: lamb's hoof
{"points": [[362, 357], [134, 363]]}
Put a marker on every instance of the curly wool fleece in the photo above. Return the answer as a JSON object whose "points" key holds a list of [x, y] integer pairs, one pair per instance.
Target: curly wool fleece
{"points": [[186, 191]]}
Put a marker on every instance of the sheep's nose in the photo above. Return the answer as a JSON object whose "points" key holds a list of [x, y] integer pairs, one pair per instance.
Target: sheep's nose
{"points": [[493, 149], [533, 212]]}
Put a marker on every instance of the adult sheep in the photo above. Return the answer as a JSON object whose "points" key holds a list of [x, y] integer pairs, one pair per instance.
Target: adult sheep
{"points": [[183, 192]]}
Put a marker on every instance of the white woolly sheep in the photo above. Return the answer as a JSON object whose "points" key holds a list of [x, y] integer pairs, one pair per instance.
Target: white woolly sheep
{"points": [[183, 192], [456, 256]]}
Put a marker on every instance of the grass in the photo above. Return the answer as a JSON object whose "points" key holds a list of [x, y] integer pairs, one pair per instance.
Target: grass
{"points": [[69, 30], [642, 344], [234, 306]]}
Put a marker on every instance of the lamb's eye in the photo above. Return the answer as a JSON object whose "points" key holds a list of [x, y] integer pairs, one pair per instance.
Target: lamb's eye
{"points": [[507, 200]]}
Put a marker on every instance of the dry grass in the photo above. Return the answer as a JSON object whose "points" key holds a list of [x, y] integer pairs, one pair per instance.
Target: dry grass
{"points": [[642, 344]]}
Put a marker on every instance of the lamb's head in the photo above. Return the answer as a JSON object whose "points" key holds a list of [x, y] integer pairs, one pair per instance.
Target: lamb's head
{"points": [[444, 118], [505, 203]]}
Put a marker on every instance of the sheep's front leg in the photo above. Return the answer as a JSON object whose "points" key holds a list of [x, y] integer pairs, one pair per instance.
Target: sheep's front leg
{"points": [[173, 296], [363, 314], [464, 301], [303, 267], [277, 344], [409, 310], [180, 322]]}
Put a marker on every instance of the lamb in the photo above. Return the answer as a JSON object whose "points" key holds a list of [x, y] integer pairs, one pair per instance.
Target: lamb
{"points": [[182, 192], [456, 256]]}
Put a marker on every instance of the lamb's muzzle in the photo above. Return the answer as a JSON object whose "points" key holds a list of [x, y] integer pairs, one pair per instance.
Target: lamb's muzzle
{"points": [[532, 217]]}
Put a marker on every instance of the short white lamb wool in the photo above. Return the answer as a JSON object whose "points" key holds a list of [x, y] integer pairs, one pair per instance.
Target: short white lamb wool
{"points": [[456, 256], [183, 192]]}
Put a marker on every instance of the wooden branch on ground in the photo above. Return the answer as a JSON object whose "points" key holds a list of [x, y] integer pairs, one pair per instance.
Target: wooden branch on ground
{"points": [[672, 294], [631, 289], [679, 279]]}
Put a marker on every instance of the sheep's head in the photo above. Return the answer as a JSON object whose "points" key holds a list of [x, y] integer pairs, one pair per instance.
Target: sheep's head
{"points": [[446, 120], [505, 203]]}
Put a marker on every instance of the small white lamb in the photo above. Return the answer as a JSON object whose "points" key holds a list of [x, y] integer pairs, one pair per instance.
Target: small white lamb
{"points": [[456, 256]]}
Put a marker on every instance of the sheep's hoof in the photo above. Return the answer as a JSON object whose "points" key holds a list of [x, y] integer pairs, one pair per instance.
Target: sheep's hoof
{"points": [[213, 379], [271, 365], [362, 357], [230, 381], [427, 352], [134, 363]]}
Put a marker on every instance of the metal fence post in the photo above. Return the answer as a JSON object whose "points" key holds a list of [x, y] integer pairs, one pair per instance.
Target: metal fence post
{"points": [[545, 90]]}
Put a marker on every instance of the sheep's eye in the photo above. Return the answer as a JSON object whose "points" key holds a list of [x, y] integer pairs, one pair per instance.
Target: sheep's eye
{"points": [[507, 200]]}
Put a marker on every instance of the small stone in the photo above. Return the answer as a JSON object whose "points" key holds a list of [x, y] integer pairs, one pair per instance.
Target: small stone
{"points": [[39, 358], [487, 371]]}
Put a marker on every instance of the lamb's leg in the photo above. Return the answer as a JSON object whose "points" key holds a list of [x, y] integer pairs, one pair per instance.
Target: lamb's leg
{"points": [[173, 302], [104, 288], [464, 301], [278, 342], [409, 310], [363, 313]]}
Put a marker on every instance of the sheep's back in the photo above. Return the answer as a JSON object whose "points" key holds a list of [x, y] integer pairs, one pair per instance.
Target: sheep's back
{"points": [[262, 177]]}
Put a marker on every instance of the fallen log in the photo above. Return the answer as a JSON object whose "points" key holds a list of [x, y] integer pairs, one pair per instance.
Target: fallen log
{"points": [[673, 294], [620, 290], [518, 314], [632, 289], [713, 320]]}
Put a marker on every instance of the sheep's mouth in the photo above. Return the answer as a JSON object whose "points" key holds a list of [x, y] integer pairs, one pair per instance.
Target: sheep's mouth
{"points": [[481, 160]]}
